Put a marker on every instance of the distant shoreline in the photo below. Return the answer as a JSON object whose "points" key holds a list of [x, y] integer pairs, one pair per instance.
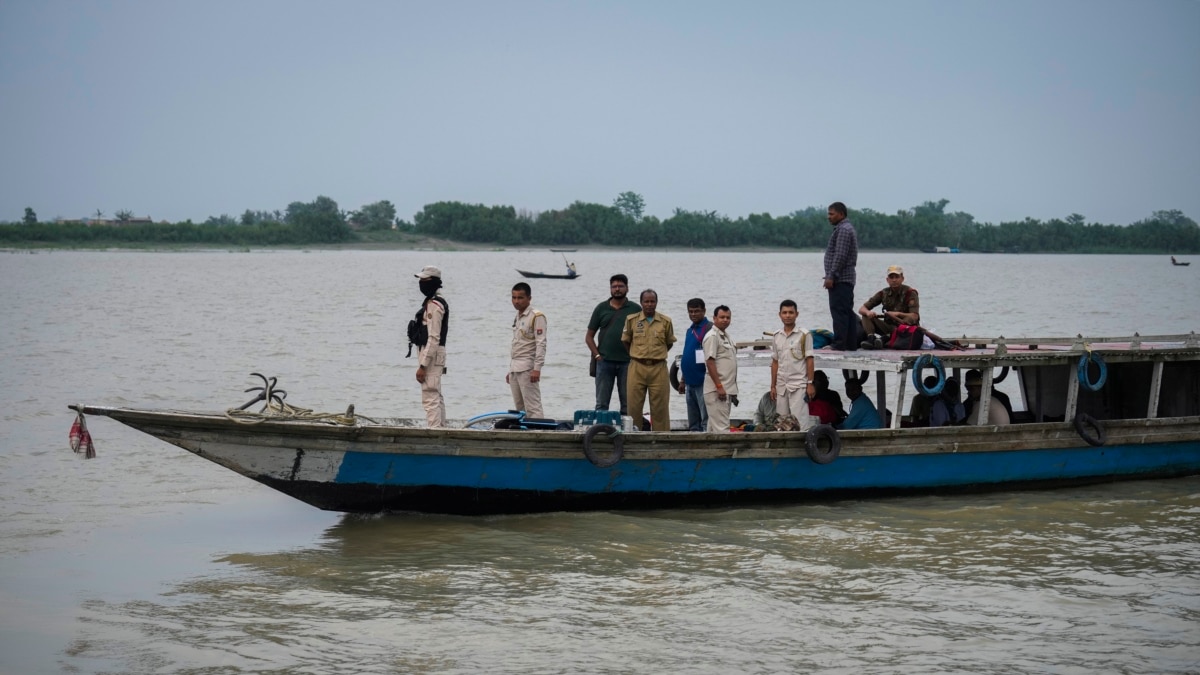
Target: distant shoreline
{"points": [[422, 243]]}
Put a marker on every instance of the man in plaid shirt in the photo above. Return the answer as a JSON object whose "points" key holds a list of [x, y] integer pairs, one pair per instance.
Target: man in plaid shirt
{"points": [[841, 256]]}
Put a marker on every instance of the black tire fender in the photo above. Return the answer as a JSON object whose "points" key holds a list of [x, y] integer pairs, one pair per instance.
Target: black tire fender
{"points": [[674, 375], [812, 444], [618, 445], [997, 379], [1097, 437]]}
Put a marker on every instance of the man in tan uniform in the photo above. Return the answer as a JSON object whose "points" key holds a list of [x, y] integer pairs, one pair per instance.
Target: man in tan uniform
{"points": [[720, 359], [435, 316], [649, 335], [792, 367], [528, 353]]}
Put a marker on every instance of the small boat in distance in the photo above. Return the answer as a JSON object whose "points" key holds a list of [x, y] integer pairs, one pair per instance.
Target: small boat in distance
{"points": [[543, 275], [571, 272], [1179, 264], [563, 250]]}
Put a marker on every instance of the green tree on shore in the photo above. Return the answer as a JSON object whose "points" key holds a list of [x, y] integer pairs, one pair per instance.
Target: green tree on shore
{"points": [[581, 223]]}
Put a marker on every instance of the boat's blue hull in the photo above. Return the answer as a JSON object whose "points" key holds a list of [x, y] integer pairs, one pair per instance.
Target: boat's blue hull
{"points": [[467, 484]]}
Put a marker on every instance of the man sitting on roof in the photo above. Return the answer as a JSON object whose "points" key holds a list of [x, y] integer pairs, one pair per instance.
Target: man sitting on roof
{"points": [[900, 306]]}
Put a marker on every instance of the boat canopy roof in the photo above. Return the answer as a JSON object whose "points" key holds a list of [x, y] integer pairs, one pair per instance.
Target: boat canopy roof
{"points": [[996, 352]]}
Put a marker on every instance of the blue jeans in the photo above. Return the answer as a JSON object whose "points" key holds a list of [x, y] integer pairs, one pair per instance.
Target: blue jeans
{"points": [[697, 411], [845, 323], [608, 373]]}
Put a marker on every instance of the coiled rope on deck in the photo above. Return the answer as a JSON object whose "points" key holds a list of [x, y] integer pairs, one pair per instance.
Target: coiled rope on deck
{"points": [[275, 409]]}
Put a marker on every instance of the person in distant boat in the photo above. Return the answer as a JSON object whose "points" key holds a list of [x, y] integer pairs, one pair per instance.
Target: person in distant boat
{"points": [[720, 362], [603, 339], [841, 258], [435, 318], [1174, 261], [649, 335], [901, 305], [692, 366], [571, 273], [528, 353], [863, 414], [996, 412], [792, 367]]}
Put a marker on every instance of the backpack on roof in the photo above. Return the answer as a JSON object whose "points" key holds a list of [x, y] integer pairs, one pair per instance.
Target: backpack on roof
{"points": [[906, 337]]}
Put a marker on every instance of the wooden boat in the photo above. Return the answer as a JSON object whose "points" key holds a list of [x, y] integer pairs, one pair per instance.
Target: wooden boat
{"points": [[543, 275], [1141, 421], [1179, 264], [563, 250]]}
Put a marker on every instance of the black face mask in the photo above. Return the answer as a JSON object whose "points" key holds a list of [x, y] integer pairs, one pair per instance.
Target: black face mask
{"points": [[430, 286]]}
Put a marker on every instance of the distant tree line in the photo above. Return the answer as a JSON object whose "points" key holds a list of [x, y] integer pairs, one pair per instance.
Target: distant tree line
{"points": [[623, 224], [923, 227], [317, 222]]}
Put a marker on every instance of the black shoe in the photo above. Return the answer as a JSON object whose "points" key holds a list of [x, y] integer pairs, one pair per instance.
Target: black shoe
{"points": [[867, 344], [878, 342]]}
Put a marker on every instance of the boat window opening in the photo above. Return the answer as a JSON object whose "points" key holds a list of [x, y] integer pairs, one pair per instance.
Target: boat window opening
{"points": [[1179, 395], [1044, 389]]}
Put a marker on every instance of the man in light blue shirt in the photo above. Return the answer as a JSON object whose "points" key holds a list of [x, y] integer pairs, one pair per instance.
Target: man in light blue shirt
{"points": [[862, 412]]}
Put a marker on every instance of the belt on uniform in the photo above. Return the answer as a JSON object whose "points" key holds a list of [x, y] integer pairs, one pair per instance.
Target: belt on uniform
{"points": [[647, 362]]}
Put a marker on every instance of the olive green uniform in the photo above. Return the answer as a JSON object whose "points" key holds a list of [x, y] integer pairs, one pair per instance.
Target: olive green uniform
{"points": [[648, 340]]}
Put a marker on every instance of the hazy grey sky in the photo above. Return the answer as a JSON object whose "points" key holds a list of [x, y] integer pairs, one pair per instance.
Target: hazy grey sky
{"points": [[182, 109]]}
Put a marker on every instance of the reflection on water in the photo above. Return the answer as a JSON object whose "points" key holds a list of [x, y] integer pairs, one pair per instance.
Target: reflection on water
{"points": [[148, 559], [1098, 579]]}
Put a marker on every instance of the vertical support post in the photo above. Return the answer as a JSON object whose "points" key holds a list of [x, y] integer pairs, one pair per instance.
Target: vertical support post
{"points": [[1038, 393], [1072, 394], [985, 394], [881, 396], [1155, 388], [899, 398]]}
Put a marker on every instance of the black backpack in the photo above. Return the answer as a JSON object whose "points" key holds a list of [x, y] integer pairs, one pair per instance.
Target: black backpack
{"points": [[418, 332]]}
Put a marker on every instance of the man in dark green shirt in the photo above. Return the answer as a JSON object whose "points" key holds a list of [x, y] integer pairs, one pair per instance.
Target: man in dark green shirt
{"points": [[604, 341]]}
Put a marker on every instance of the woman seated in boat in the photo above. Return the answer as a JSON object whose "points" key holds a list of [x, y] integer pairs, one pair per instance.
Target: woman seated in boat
{"points": [[826, 403]]}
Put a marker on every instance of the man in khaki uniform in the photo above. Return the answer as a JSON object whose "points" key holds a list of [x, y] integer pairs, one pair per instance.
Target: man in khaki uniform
{"points": [[528, 353], [792, 367], [649, 335], [720, 358]]}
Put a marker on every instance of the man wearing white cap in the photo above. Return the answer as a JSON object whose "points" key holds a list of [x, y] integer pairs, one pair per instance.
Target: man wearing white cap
{"points": [[901, 305], [435, 317]]}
